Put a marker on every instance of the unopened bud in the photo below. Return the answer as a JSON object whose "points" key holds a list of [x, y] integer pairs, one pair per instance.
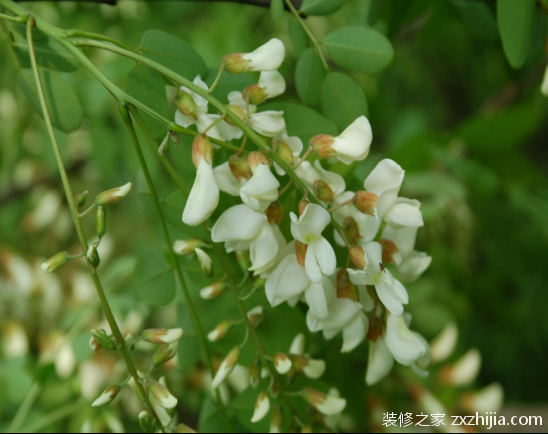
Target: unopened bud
{"points": [[309, 367], [322, 146], [146, 422], [257, 158], [182, 428], [323, 191], [103, 339], [55, 262], [187, 247], [256, 316], [235, 63], [186, 105], [327, 405], [357, 256], [107, 396], [114, 195], [256, 94], [255, 373], [345, 288], [164, 353], [162, 395], [302, 206], [464, 371], [162, 336], [101, 220], [283, 151], [238, 111], [94, 344], [201, 149], [275, 213], [81, 198], [220, 331], [205, 262], [282, 363], [93, 256], [366, 202], [300, 250], [239, 166], [375, 328], [226, 367], [214, 290], [277, 420], [390, 251], [262, 407], [297, 346]]}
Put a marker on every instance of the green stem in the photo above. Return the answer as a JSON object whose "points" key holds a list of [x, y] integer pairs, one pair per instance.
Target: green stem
{"points": [[76, 220], [20, 19], [169, 244], [84, 34], [217, 79], [25, 407], [55, 416]]}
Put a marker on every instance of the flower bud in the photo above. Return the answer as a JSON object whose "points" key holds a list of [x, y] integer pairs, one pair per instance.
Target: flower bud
{"points": [[238, 111], [114, 195], [242, 257], [375, 328], [322, 146], [366, 202], [345, 288], [81, 198], [239, 166], [226, 367], [256, 94], [464, 371], [205, 262], [162, 336], [101, 221], [107, 396], [283, 151], [201, 149], [187, 247], [220, 331], [146, 422], [327, 405], [103, 339], [490, 398], [162, 395], [351, 230], [182, 428], [262, 407], [302, 206], [323, 191], [93, 256], [164, 353], [186, 105], [277, 420], [268, 57], [255, 373], [214, 290], [257, 158], [357, 256], [444, 344], [282, 363], [275, 213], [300, 250], [94, 344], [309, 367], [256, 316], [55, 262], [297, 346], [235, 63]]}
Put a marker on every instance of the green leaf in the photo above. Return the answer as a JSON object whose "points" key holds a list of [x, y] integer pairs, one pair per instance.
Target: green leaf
{"points": [[359, 49], [297, 36], [309, 76], [515, 19], [64, 107], [303, 121], [173, 53], [148, 86], [478, 17], [211, 420], [277, 10], [343, 99], [321, 7], [154, 277]]}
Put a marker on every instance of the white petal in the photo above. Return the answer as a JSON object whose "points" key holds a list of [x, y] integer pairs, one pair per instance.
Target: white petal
{"points": [[262, 407], [354, 142], [269, 123], [316, 299], [226, 181], [544, 87], [229, 132], [311, 224], [331, 406], [359, 277], [334, 180], [413, 266], [402, 343], [444, 344], [267, 57], [238, 223], [312, 267], [466, 369], [235, 98], [203, 198], [307, 174], [273, 82], [355, 333], [205, 121], [297, 346], [399, 290], [385, 181], [404, 238], [490, 398], [261, 190], [342, 312], [183, 120], [380, 362], [403, 214], [315, 369], [263, 248], [287, 281], [325, 255]]}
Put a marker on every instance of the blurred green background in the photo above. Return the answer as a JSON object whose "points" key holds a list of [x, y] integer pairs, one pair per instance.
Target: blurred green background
{"points": [[470, 131]]}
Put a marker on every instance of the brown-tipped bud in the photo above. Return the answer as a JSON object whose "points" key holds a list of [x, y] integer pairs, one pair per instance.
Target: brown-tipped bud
{"points": [[94, 344], [239, 166], [322, 146], [345, 288], [187, 247], [389, 249], [103, 339], [300, 251], [235, 63], [214, 290], [55, 262], [275, 213], [162, 336], [113, 195], [238, 111], [226, 367], [107, 396], [256, 316], [201, 149], [309, 367], [351, 230], [242, 257], [366, 202], [375, 328], [327, 405], [186, 105], [357, 256], [283, 151], [257, 158], [164, 354], [205, 262], [302, 206], [220, 331], [255, 93], [93, 256], [255, 373], [323, 191], [282, 363], [277, 420], [81, 199], [101, 220]]}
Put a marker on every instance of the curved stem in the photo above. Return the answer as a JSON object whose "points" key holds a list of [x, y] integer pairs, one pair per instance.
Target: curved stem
{"points": [[76, 220], [84, 34]]}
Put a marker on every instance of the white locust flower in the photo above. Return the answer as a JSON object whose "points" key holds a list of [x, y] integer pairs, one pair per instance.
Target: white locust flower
{"points": [[269, 123], [205, 262], [271, 84], [444, 344], [262, 189], [268, 57], [325, 404], [227, 366], [320, 257], [262, 407], [465, 370], [162, 336], [107, 396], [404, 345], [368, 226], [310, 175], [288, 148], [380, 362], [544, 86], [352, 145], [162, 395]]}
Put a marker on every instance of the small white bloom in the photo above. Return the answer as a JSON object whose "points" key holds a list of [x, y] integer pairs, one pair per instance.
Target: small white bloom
{"points": [[262, 407], [204, 196], [402, 343], [466, 369], [268, 57], [327, 405], [354, 142], [308, 174], [490, 398], [205, 262], [368, 225], [226, 367], [107, 396], [444, 344], [269, 123], [273, 83], [15, 341], [226, 180], [380, 362], [162, 395], [261, 190], [112, 196], [297, 346], [314, 368], [162, 336], [295, 145]]}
